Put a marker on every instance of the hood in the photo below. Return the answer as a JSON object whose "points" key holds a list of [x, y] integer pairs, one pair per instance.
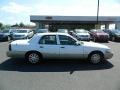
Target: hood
{"points": [[95, 45], [117, 33], [26, 41]]}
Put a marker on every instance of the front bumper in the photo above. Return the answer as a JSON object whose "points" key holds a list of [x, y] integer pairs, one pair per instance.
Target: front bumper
{"points": [[108, 55], [4, 38], [102, 38]]}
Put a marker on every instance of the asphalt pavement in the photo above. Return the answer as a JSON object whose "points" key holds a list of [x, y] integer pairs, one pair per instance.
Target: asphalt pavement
{"points": [[16, 74]]}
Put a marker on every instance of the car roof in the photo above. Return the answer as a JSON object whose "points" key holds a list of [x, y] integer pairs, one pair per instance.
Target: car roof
{"points": [[52, 33]]}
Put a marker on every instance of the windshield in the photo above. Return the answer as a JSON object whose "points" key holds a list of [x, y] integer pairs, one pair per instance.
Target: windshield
{"points": [[81, 31], [21, 31]]}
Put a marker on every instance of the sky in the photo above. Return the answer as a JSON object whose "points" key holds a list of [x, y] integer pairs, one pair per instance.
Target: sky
{"points": [[16, 11]]}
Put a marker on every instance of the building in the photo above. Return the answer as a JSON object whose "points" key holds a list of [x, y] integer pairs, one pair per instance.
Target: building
{"points": [[74, 22]]}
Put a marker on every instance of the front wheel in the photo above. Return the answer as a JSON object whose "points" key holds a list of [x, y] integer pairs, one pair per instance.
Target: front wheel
{"points": [[95, 58], [33, 57]]}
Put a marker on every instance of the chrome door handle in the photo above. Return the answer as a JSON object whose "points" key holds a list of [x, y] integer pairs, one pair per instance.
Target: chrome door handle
{"points": [[62, 47]]}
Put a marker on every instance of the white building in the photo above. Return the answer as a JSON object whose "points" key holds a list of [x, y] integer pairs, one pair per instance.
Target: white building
{"points": [[72, 22]]}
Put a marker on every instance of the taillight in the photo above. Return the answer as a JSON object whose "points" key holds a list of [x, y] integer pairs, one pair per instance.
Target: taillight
{"points": [[9, 47]]}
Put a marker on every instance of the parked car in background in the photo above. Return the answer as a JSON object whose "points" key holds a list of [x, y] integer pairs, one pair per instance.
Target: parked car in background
{"points": [[83, 34], [72, 33], [114, 34], [4, 35], [41, 30], [62, 30], [22, 34], [58, 46], [99, 35]]}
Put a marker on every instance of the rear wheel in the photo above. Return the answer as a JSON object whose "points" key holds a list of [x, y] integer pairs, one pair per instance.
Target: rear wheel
{"points": [[33, 57], [95, 58]]}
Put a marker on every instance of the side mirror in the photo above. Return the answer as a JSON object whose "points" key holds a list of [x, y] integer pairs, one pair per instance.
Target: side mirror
{"points": [[77, 43]]}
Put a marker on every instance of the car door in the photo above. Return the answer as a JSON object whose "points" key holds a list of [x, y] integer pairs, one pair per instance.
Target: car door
{"points": [[69, 48], [48, 46]]}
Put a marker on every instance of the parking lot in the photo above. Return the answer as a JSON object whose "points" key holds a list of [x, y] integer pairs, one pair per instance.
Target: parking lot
{"points": [[15, 74]]}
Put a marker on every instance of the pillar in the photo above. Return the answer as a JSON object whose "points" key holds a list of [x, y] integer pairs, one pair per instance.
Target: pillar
{"points": [[37, 25], [97, 26], [106, 26], [41, 25], [117, 25]]}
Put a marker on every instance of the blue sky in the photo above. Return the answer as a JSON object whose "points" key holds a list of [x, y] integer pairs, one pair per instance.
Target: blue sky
{"points": [[16, 11]]}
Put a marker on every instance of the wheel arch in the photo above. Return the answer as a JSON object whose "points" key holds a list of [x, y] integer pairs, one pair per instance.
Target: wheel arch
{"points": [[96, 51], [39, 53]]}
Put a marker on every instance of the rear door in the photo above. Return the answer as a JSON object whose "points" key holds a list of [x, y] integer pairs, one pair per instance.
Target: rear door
{"points": [[48, 46]]}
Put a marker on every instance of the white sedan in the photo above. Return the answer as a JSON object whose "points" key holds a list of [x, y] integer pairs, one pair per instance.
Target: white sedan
{"points": [[22, 34], [83, 34], [57, 46]]}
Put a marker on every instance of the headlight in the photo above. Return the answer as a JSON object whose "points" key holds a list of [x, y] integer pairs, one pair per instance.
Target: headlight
{"points": [[108, 51]]}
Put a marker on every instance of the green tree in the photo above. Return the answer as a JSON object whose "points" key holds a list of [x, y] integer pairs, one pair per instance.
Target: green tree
{"points": [[21, 24], [1, 26], [7, 26]]}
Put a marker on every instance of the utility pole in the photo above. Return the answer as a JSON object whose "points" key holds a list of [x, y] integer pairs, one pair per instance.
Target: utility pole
{"points": [[98, 12]]}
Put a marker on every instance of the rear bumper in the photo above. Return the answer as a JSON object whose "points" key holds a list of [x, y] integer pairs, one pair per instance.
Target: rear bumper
{"points": [[16, 54]]}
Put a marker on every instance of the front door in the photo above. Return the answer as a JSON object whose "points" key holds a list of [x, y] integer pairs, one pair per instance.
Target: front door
{"points": [[69, 48]]}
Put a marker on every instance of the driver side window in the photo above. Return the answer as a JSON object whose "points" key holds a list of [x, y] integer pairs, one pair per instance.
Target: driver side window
{"points": [[66, 40]]}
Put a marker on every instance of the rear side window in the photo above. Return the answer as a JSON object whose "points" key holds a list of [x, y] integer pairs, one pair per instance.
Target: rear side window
{"points": [[48, 39]]}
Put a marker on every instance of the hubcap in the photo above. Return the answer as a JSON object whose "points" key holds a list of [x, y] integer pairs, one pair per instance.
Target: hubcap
{"points": [[95, 58], [33, 58]]}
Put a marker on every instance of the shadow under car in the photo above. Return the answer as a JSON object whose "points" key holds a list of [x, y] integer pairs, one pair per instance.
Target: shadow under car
{"points": [[52, 66]]}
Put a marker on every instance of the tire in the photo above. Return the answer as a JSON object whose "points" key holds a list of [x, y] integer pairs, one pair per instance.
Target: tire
{"points": [[95, 58], [94, 39], [8, 38], [33, 57], [113, 38]]}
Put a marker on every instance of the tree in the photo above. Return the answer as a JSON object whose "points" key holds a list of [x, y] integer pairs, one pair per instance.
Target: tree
{"points": [[1, 25], [21, 24], [15, 25]]}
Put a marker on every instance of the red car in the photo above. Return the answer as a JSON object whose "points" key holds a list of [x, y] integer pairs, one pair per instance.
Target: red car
{"points": [[99, 35]]}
